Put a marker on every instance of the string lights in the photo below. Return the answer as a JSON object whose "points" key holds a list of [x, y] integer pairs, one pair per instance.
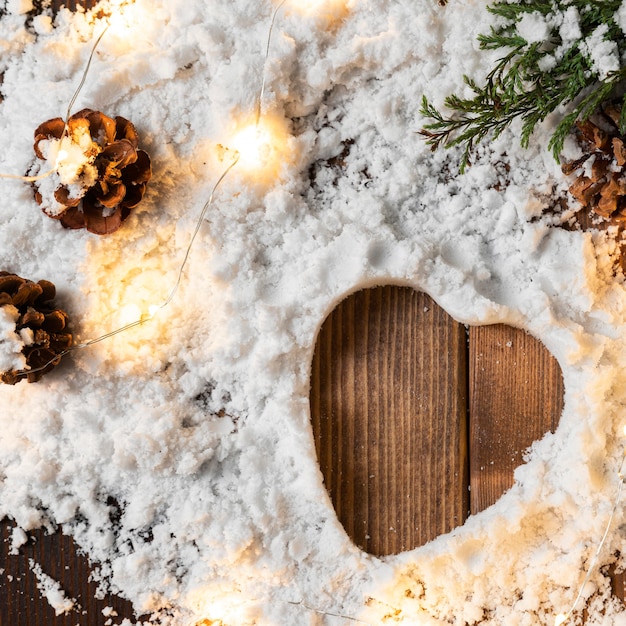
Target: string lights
{"points": [[260, 146], [131, 314]]}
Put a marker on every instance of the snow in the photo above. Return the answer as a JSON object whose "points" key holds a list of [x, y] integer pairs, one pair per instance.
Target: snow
{"points": [[193, 429], [620, 16], [534, 28], [11, 343], [567, 23], [52, 591], [604, 55]]}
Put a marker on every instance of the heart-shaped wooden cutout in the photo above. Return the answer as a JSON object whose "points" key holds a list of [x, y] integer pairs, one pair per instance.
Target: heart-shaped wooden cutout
{"points": [[418, 422]]}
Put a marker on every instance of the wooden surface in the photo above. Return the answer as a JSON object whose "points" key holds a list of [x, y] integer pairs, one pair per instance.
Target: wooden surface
{"points": [[419, 423], [516, 396], [388, 410], [391, 380], [21, 602]]}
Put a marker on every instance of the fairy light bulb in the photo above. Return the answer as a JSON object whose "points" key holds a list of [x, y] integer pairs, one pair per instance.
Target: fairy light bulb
{"points": [[329, 9], [132, 314], [122, 19], [262, 147], [309, 5], [128, 25], [129, 313], [561, 618], [254, 145]]}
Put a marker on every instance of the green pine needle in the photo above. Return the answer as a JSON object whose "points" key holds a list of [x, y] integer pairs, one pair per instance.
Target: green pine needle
{"points": [[531, 79]]}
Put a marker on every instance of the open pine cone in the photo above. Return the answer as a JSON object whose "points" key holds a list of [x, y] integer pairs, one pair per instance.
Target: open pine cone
{"points": [[41, 326], [100, 174], [600, 182]]}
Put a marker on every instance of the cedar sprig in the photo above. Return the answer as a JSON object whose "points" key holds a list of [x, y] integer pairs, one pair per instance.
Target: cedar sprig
{"points": [[518, 87]]}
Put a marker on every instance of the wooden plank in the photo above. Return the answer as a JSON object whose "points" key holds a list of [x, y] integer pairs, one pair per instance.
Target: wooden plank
{"points": [[388, 406], [507, 418], [23, 604], [516, 396], [72, 5]]}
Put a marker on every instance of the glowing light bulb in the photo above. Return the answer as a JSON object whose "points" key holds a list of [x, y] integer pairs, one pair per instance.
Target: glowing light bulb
{"points": [[119, 22], [262, 147], [254, 145], [327, 9], [60, 166], [624, 429], [129, 314], [128, 24], [132, 313], [310, 5], [561, 618]]}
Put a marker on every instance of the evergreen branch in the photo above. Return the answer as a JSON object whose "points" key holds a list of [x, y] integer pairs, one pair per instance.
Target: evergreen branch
{"points": [[622, 117], [582, 111], [532, 79]]}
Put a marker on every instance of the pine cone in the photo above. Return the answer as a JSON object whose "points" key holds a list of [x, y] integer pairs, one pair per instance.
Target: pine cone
{"points": [[38, 321], [100, 172], [601, 184]]}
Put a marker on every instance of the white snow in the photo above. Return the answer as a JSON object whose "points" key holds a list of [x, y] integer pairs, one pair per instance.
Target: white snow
{"points": [[620, 16], [11, 343], [534, 28], [197, 423], [603, 54], [51, 590]]}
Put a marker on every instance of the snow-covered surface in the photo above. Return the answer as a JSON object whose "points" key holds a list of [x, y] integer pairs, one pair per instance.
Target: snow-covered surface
{"points": [[179, 454]]}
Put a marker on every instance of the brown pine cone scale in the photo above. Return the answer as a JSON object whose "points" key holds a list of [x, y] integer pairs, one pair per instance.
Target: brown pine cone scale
{"points": [[37, 315], [600, 184], [103, 179]]}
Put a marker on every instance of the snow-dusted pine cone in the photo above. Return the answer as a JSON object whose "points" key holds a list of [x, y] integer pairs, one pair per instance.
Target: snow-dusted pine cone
{"points": [[99, 172], [600, 182], [31, 328]]}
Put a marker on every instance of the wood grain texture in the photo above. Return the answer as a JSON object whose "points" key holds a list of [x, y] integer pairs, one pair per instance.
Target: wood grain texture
{"points": [[388, 405], [370, 345], [73, 5], [23, 604], [389, 408], [516, 396]]}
